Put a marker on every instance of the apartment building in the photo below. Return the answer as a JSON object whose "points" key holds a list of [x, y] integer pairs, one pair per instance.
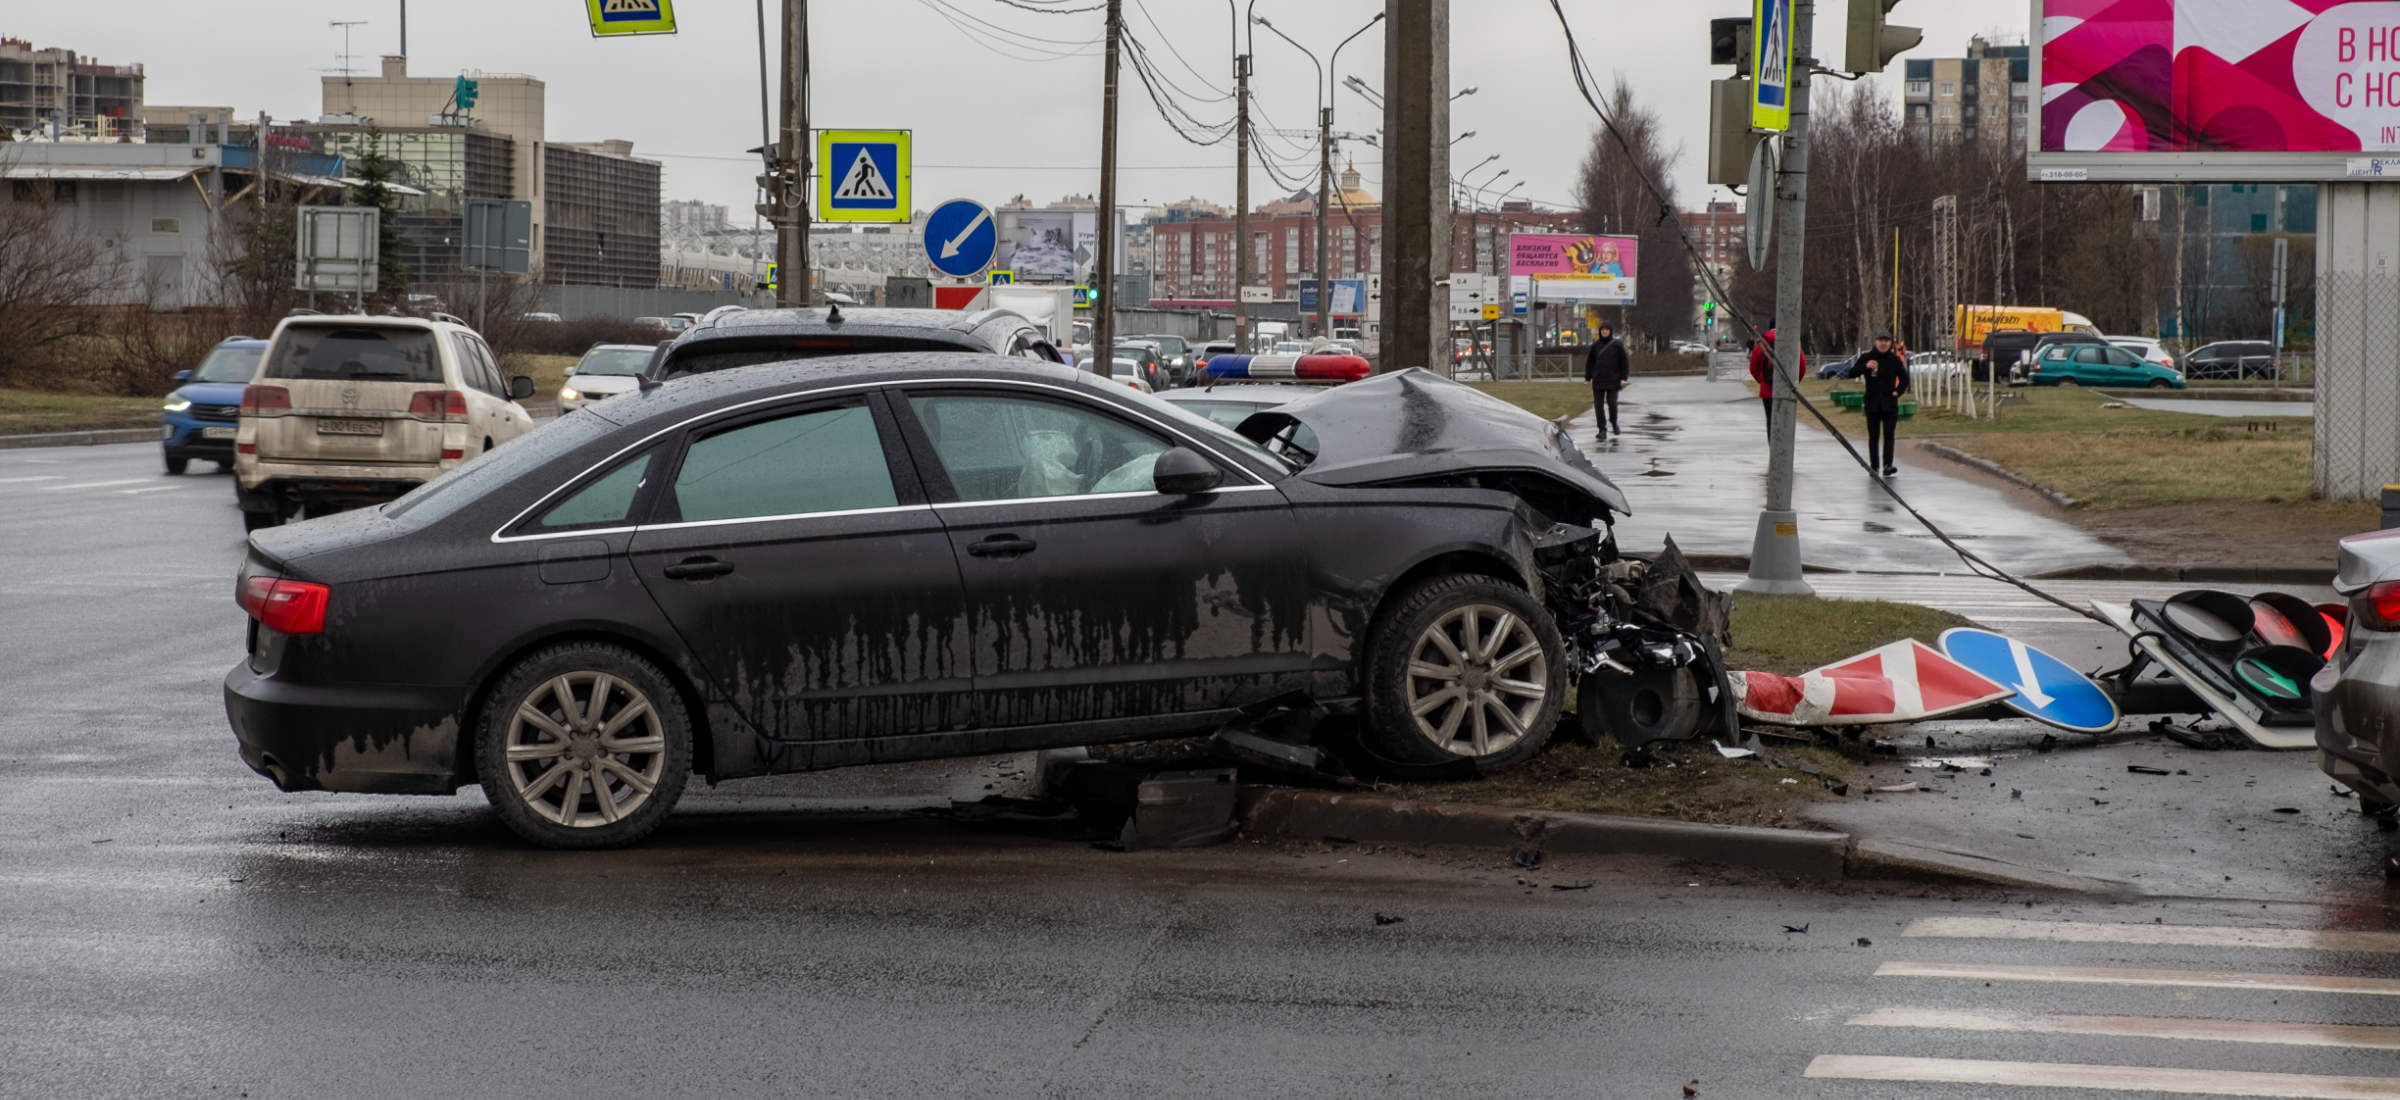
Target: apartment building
{"points": [[41, 88], [1985, 96]]}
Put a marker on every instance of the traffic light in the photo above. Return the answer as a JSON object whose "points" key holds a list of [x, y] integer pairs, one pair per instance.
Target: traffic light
{"points": [[464, 93], [1873, 44], [1729, 42], [1730, 141], [1708, 312]]}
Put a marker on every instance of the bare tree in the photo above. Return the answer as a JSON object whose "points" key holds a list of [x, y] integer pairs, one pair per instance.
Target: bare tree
{"points": [[51, 274], [1614, 191]]}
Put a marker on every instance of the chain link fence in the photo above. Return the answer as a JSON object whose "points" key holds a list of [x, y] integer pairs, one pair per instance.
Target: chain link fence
{"points": [[2356, 369]]}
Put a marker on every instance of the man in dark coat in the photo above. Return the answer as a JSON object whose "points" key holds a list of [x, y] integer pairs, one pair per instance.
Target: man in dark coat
{"points": [[1607, 367], [1886, 375]]}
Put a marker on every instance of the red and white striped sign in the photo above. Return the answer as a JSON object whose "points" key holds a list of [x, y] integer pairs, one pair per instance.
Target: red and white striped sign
{"points": [[1902, 682]]}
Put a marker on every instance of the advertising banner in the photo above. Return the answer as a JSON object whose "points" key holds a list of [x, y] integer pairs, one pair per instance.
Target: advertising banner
{"points": [[1576, 267], [1038, 245], [2208, 76]]}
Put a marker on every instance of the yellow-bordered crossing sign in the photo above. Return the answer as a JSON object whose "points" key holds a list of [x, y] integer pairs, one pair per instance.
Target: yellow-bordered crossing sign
{"points": [[613, 17]]}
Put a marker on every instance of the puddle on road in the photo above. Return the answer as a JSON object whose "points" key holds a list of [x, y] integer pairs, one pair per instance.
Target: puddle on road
{"points": [[1876, 528]]}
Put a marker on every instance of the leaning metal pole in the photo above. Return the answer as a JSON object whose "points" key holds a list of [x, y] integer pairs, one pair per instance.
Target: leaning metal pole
{"points": [[1775, 550]]}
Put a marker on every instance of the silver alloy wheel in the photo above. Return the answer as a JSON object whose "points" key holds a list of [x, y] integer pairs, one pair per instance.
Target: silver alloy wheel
{"points": [[585, 749], [1477, 679]]}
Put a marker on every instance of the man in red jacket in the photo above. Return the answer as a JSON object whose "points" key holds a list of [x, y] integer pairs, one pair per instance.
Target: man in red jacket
{"points": [[1762, 371]]}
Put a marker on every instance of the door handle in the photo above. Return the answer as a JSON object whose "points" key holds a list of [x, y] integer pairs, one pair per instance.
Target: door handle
{"points": [[698, 569], [1000, 546]]}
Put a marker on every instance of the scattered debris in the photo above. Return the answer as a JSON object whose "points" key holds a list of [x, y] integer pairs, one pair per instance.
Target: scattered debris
{"points": [[105, 840], [2048, 744], [1692, 1087], [1795, 929], [2145, 769], [2338, 792], [2027, 836], [1787, 780], [1529, 858], [2192, 736], [2015, 793], [1382, 919], [1732, 753], [1895, 788], [1906, 681], [1865, 942], [1584, 885], [2287, 809], [2099, 802]]}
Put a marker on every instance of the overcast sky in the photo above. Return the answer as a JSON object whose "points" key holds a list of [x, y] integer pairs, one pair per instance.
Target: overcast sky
{"points": [[993, 114]]}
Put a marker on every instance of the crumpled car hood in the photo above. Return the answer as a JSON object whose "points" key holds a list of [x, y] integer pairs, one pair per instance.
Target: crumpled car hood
{"points": [[1414, 424]]}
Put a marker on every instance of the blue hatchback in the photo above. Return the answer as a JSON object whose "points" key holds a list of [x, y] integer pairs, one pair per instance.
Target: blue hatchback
{"points": [[203, 412]]}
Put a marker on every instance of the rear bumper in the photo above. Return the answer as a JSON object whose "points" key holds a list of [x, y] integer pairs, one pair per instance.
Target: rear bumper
{"points": [[2358, 722], [368, 738]]}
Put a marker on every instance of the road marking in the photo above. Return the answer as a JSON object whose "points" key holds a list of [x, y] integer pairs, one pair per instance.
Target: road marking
{"points": [[2140, 1027], [2296, 983], [2179, 935], [152, 489], [2197, 1082], [98, 484], [38, 477]]}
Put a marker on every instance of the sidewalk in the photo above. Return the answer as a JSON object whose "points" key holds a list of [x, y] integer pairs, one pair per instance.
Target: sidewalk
{"points": [[1693, 461]]}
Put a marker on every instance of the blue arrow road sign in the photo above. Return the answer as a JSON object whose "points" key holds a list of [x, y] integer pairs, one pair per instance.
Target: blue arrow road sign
{"points": [[960, 238], [2048, 689]]}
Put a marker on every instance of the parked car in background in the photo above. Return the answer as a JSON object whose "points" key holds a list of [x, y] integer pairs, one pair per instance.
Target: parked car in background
{"points": [[743, 337], [2092, 364], [669, 325], [539, 318], [587, 620], [2145, 349], [689, 319], [1290, 347], [1691, 348], [1208, 351], [202, 415], [2042, 341], [349, 411], [1174, 353], [2233, 359], [605, 371], [1145, 359], [1131, 374]]}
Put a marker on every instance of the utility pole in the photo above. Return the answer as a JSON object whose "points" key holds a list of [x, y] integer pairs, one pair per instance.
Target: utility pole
{"points": [[1324, 189], [1241, 179], [1416, 205], [1775, 551], [1104, 317], [791, 228]]}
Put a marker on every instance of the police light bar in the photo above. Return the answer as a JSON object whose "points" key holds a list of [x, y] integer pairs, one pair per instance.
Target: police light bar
{"points": [[1288, 368]]}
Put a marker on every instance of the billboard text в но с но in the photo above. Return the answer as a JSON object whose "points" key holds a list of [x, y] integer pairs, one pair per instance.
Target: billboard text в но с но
{"points": [[1576, 267], [2208, 90]]}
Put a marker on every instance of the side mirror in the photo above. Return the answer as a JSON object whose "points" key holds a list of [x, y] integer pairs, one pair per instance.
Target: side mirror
{"points": [[183, 376], [1183, 472], [520, 388]]}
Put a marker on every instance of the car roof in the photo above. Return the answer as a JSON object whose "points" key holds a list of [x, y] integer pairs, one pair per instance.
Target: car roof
{"points": [[819, 319], [340, 320], [1262, 394], [692, 393], [241, 342], [643, 348]]}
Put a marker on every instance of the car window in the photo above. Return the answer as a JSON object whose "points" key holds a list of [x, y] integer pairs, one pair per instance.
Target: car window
{"points": [[2091, 354], [1014, 448], [2121, 357], [235, 364], [611, 362], [491, 366], [511, 466], [2056, 353], [606, 500], [355, 353], [471, 372], [823, 460]]}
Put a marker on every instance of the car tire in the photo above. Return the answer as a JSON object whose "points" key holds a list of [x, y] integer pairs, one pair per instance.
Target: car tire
{"points": [[177, 464], [1653, 704], [531, 739], [2069, 382], [2158, 383], [1480, 719], [260, 521]]}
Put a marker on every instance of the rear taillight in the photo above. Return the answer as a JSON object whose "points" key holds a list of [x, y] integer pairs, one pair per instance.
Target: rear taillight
{"points": [[2377, 608], [266, 400], [439, 404], [449, 453], [293, 607], [245, 448]]}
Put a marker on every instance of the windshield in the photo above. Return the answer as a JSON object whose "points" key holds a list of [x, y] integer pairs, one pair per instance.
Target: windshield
{"points": [[230, 364], [355, 353], [613, 361], [1197, 425]]}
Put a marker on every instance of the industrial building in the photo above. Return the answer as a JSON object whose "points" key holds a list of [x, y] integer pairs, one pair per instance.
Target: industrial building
{"points": [[60, 93]]}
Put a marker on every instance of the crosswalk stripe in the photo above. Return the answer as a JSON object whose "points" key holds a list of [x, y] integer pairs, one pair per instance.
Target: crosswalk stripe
{"points": [[2195, 1082], [37, 477], [96, 484], [2297, 983], [152, 489], [2179, 935], [2362, 1036]]}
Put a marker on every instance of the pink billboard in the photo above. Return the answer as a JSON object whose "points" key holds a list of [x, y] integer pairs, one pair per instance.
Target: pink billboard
{"points": [[1571, 256], [2224, 76]]}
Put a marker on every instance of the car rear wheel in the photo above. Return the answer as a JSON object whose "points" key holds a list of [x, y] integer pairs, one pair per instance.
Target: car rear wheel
{"points": [[1465, 677], [2069, 382], [584, 745]]}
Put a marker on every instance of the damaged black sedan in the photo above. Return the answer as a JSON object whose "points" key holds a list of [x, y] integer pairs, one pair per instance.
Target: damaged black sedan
{"points": [[809, 565]]}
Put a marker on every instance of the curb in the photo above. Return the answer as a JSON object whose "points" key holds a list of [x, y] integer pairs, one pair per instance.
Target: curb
{"points": [[1315, 815], [1814, 855], [80, 439], [1943, 450], [2261, 574]]}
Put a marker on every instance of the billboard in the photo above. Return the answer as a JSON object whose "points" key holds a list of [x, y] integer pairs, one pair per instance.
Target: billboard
{"points": [[2204, 89], [1051, 246], [1576, 267]]}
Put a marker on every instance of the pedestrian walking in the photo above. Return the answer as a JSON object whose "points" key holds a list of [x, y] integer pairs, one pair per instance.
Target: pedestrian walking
{"points": [[1886, 374], [1762, 371], [1607, 367]]}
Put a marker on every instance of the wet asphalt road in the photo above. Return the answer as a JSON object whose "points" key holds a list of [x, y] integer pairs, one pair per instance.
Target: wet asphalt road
{"points": [[171, 925]]}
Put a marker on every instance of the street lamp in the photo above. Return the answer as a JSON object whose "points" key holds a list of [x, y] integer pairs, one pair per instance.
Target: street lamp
{"points": [[1324, 156]]}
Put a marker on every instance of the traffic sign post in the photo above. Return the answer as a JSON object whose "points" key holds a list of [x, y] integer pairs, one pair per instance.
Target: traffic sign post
{"points": [[2048, 689], [960, 238], [862, 175], [616, 17]]}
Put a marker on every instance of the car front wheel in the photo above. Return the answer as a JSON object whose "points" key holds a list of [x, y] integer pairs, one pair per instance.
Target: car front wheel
{"points": [[1465, 677], [585, 745], [2158, 383]]}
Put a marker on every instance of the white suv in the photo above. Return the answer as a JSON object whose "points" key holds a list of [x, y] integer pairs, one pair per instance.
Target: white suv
{"points": [[347, 411]]}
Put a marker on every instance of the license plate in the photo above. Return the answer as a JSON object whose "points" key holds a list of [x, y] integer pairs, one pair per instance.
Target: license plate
{"points": [[349, 427], [217, 433]]}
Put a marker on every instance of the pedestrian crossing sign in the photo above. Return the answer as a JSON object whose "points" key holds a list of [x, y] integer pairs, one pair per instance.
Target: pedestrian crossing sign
{"points": [[614, 17], [862, 175], [1002, 278]]}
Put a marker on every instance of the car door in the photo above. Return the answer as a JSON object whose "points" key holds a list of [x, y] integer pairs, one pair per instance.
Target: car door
{"points": [[1092, 596], [2117, 367], [794, 552]]}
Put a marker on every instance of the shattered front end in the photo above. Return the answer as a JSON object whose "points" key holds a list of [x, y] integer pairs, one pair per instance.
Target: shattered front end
{"points": [[1645, 639]]}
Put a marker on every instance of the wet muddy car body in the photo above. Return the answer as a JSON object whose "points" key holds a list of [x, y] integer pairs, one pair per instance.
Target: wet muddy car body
{"points": [[849, 561], [2357, 695]]}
